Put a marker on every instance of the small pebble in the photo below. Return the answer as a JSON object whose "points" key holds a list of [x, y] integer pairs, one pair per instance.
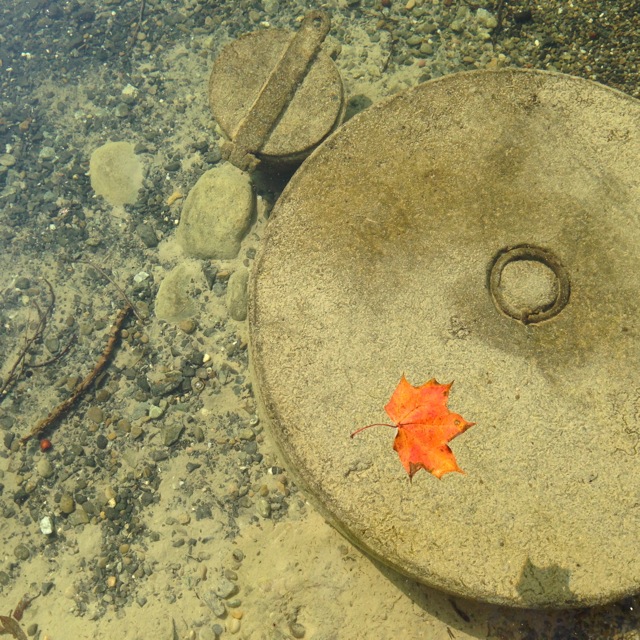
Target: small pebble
{"points": [[22, 552], [264, 507], [155, 412], [233, 625], [67, 504], [297, 630], [188, 326], [225, 588], [95, 414], [44, 468], [46, 526]]}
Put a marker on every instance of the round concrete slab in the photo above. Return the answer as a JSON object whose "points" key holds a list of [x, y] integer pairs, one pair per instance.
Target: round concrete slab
{"points": [[482, 228]]}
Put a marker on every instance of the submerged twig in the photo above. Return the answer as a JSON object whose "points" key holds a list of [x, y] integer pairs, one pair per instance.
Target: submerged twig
{"points": [[25, 601], [499, 11], [134, 36], [13, 374], [11, 626], [63, 407], [118, 287]]}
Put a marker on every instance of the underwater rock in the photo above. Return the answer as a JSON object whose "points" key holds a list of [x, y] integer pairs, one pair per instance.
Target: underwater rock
{"points": [[217, 214], [176, 298], [237, 294], [116, 173]]}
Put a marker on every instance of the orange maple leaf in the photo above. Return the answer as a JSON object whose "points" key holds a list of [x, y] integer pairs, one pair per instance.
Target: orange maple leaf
{"points": [[425, 425]]}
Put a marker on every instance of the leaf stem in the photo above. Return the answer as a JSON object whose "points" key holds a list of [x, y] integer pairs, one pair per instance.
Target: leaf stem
{"points": [[376, 424]]}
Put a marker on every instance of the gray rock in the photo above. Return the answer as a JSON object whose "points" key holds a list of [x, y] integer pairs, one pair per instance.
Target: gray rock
{"points": [[171, 433], [79, 516], [21, 552], [116, 173], [217, 214], [161, 383], [177, 295], [44, 468], [225, 588], [147, 235], [214, 603]]}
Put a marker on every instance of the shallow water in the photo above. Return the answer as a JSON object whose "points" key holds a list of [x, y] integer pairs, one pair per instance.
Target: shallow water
{"points": [[172, 514]]}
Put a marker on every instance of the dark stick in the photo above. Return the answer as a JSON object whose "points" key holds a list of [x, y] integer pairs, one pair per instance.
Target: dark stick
{"points": [[63, 407]]}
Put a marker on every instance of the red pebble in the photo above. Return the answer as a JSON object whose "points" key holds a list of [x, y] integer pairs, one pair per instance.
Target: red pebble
{"points": [[45, 444]]}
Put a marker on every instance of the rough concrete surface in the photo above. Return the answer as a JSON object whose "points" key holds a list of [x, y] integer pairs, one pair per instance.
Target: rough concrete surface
{"points": [[375, 263]]}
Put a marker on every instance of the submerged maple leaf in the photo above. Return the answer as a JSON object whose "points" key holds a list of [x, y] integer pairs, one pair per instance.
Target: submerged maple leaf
{"points": [[425, 425]]}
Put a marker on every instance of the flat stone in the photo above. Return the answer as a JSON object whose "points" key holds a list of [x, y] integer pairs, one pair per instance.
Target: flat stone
{"points": [[216, 214], [224, 588], [177, 297], [116, 173], [95, 414], [237, 294], [379, 260], [171, 433]]}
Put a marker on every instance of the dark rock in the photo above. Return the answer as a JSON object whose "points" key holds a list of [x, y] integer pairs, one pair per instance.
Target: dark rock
{"points": [[147, 235]]}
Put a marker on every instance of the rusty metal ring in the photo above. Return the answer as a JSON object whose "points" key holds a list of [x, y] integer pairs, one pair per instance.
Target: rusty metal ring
{"points": [[537, 254]]}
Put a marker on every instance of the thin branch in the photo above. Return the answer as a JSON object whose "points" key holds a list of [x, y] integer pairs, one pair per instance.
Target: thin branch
{"points": [[63, 407], [118, 287]]}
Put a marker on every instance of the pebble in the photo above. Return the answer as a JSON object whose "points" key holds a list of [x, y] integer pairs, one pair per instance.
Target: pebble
{"points": [[171, 433], [297, 630], [237, 294], [52, 344], [95, 414], [263, 507], [44, 468], [188, 326], [22, 552], [225, 588], [102, 395], [155, 412], [233, 625], [147, 235], [47, 153], [215, 604], [67, 504], [46, 526], [79, 516]]}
